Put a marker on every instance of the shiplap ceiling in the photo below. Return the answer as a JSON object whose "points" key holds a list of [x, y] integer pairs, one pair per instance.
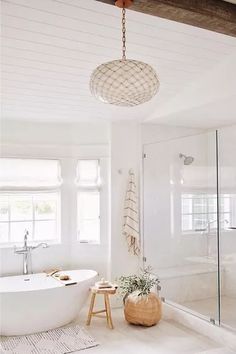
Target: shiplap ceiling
{"points": [[50, 48]]}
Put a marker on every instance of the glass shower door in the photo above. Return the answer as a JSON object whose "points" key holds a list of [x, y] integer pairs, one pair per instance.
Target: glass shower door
{"points": [[180, 221], [227, 187]]}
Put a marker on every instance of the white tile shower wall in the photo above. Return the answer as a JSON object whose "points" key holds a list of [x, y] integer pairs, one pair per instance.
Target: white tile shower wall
{"points": [[190, 283], [166, 178], [230, 281], [168, 251], [191, 287]]}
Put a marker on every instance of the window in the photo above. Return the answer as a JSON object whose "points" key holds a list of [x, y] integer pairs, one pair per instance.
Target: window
{"points": [[199, 211], [37, 213], [29, 200], [88, 202]]}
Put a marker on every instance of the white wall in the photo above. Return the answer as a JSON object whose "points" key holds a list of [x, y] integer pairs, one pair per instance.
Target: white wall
{"points": [[207, 102], [127, 139], [67, 142], [118, 145], [62, 134], [153, 133], [125, 154]]}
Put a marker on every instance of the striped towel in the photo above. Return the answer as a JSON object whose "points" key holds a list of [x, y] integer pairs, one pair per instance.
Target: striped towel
{"points": [[131, 217]]}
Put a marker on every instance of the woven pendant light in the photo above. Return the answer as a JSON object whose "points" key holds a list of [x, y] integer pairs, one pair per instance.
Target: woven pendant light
{"points": [[124, 82]]}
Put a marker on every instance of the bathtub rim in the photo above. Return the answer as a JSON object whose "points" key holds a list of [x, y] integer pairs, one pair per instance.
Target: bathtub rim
{"points": [[93, 274]]}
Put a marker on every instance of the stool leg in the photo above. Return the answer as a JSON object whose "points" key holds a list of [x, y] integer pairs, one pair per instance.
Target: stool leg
{"points": [[108, 311], [90, 313]]}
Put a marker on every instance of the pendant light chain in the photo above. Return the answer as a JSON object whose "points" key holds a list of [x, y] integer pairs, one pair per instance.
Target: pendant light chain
{"points": [[123, 33]]}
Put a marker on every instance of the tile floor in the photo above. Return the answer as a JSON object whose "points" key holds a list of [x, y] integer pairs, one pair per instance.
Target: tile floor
{"points": [[168, 337], [208, 307]]}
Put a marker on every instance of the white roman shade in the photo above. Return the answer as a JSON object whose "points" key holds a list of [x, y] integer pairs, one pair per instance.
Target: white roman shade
{"points": [[88, 174], [29, 173]]}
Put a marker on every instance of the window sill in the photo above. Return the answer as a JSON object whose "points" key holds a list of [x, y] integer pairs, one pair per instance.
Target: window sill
{"points": [[89, 243], [20, 244]]}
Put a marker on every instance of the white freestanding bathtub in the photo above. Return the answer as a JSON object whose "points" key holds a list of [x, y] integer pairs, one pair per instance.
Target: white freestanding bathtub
{"points": [[37, 302]]}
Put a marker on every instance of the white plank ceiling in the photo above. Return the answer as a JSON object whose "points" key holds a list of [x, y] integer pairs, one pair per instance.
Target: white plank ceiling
{"points": [[50, 48]]}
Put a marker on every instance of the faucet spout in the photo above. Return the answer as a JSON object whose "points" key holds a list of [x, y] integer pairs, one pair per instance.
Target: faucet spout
{"points": [[42, 244]]}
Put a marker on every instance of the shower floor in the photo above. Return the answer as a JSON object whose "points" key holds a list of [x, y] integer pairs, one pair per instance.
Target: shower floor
{"points": [[208, 307]]}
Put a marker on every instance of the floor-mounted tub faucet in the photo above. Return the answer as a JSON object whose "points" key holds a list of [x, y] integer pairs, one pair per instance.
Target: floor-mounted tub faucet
{"points": [[26, 250]]}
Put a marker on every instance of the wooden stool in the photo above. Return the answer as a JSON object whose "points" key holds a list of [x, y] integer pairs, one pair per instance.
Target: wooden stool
{"points": [[106, 292]]}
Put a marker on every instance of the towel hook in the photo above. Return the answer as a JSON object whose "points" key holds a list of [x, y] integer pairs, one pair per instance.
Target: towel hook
{"points": [[131, 171]]}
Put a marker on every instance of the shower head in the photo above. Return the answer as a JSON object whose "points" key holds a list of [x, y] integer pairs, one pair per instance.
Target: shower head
{"points": [[187, 159]]}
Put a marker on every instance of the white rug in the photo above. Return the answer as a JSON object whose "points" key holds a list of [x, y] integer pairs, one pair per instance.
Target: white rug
{"points": [[56, 341]]}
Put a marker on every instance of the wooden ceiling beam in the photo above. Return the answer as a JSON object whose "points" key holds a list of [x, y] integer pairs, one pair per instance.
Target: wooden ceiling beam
{"points": [[214, 15]]}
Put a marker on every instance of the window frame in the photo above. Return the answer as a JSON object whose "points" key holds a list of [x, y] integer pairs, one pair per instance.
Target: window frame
{"points": [[13, 189], [88, 188], [34, 241], [208, 197]]}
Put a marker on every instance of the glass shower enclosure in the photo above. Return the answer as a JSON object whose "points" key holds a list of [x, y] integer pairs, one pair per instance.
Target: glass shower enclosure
{"points": [[189, 226]]}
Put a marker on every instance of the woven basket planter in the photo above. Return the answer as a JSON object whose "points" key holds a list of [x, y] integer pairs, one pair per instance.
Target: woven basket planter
{"points": [[144, 311]]}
